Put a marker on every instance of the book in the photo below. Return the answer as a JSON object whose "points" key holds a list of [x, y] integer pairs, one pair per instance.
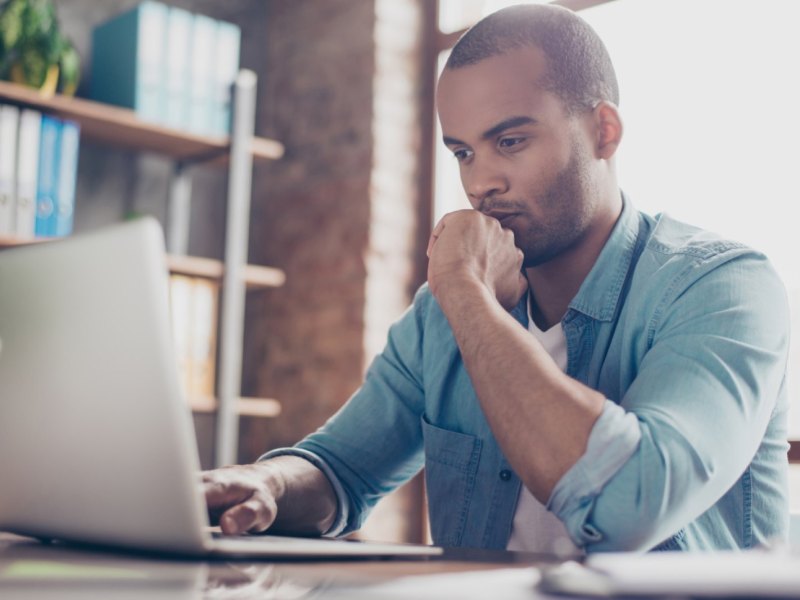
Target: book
{"points": [[128, 60], [227, 66], [67, 177], [176, 96], [194, 303], [30, 123], [180, 303], [201, 92], [205, 295], [47, 176], [9, 123]]}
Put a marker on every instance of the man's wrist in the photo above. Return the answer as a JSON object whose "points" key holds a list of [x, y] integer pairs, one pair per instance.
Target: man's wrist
{"points": [[461, 292], [307, 501], [272, 474]]}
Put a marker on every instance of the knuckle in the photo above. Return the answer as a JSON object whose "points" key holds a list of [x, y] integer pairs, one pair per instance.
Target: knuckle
{"points": [[261, 513], [246, 512]]}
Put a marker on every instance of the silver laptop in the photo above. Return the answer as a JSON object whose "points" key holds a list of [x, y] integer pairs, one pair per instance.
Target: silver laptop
{"points": [[96, 439]]}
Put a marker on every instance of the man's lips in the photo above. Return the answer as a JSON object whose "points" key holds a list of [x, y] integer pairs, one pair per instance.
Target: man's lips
{"points": [[503, 217]]}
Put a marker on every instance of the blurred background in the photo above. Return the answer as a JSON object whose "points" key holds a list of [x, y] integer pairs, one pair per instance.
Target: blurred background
{"points": [[709, 91]]}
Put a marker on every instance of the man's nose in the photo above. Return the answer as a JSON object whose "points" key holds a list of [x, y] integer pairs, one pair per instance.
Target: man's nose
{"points": [[483, 179]]}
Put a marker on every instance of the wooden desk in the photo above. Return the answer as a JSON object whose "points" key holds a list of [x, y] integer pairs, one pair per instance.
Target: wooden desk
{"points": [[36, 571]]}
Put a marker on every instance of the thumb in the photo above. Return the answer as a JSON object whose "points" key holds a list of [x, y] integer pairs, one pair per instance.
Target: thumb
{"points": [[522, 287], [522, 282]]}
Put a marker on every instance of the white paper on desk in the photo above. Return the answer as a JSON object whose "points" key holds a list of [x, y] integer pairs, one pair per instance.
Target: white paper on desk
{"points": [[752, 573], [508, 584]]}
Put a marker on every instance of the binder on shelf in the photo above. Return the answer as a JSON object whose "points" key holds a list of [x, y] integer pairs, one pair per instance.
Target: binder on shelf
{"points": [[30, 123], [227, 66], [176, 96], [67, 177], [128, 60], [201, 88], [193, 308], [47, 176], [180, 302], [9, 123], [205, 293]]}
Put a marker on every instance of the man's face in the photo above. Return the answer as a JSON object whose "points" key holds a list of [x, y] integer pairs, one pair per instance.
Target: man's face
{"points": [[523, 159]]}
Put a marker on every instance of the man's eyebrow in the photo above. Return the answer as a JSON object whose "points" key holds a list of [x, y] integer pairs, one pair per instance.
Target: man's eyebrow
{"points": [[494, 130], [507, 124], [448, 141]]}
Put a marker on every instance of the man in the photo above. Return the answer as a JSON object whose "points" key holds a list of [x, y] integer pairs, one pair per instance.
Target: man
{"points": [[575, 373]]}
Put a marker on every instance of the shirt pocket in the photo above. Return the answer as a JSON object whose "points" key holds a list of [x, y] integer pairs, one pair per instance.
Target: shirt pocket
{"points": [[451, 465]]}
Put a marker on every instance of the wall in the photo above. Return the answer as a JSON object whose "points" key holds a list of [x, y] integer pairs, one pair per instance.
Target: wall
{"points": [[339, 213]]}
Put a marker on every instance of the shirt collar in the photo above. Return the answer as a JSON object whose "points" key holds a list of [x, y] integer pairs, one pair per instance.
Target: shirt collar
{"points": [[600, 292]]}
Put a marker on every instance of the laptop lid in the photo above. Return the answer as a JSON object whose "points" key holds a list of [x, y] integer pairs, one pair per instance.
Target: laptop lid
{"points": [[96, 441]]}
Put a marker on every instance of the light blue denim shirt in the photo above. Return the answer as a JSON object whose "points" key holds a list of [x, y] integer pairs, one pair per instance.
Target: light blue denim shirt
{"points": [[686, 335]]}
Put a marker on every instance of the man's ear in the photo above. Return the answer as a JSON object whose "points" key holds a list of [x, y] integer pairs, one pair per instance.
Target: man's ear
{"points": [[608, 129]]}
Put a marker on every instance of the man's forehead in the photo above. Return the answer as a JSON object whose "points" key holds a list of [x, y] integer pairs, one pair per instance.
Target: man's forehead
{"points": [[521, 70], [483, 93]]}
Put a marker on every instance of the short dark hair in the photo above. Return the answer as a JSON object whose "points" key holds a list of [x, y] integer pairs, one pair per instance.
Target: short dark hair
{"points": [[579, 69]]}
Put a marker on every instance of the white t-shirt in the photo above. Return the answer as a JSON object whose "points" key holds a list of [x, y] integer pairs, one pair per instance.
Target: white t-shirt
{"points": [[535, 529]]}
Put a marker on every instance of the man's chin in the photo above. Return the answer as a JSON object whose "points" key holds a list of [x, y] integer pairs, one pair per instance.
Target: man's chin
{"points": [[537, 258]]}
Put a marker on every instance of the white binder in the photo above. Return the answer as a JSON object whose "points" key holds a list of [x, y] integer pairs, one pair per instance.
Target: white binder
{"points": [[30, 124], [9, 121]]}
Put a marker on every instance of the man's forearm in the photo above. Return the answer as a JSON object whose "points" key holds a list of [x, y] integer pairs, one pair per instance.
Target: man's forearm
{"points": [[541, 417]]}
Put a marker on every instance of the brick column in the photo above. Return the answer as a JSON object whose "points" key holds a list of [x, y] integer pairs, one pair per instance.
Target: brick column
{"points": [[341, 87]]}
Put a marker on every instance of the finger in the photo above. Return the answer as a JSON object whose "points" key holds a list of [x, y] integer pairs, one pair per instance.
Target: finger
{"points": [[523, 286], [437, 231], [221, 492], [254, 515]]}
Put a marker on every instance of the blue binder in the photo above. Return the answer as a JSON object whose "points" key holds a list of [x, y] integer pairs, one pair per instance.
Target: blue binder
{"points": [[128, 64], [47, 176], [67, 178]]}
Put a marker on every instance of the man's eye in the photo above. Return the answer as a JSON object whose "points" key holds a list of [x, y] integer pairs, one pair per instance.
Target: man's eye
{"points": [[462, 154], [510, 142]]}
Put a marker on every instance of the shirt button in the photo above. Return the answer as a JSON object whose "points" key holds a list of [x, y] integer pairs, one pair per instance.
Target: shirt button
{"points": [[505, 474]]}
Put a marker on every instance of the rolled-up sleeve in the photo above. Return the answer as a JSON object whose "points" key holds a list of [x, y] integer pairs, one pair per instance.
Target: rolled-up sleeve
{"points": [[614, 437], [694, 417]]}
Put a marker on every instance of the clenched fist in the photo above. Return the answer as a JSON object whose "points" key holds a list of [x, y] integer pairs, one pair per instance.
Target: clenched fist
{"points": [[467, 247]]}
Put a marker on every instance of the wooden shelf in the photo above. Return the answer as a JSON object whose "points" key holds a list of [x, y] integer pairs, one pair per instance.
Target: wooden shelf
{"points": [[256, 277], [121, 128], [246, 407], [9, 241]]}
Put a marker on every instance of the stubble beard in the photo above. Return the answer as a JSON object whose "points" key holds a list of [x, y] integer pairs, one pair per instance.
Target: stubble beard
{"points": [[568, 205]]}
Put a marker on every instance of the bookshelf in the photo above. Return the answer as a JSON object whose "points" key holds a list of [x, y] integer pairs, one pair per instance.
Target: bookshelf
{"points": [[121, 128], [255, 277]]}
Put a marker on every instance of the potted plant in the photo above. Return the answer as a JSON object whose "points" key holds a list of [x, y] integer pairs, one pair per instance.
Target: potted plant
{"points": [[33, 51]]}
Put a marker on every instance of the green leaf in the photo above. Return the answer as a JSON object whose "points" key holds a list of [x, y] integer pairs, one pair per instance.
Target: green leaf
{"points": [[69, 70], [30, 42], [11, 23]]}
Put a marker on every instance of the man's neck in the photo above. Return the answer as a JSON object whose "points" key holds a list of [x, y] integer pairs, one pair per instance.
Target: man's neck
{"points": [[555, 283]]}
